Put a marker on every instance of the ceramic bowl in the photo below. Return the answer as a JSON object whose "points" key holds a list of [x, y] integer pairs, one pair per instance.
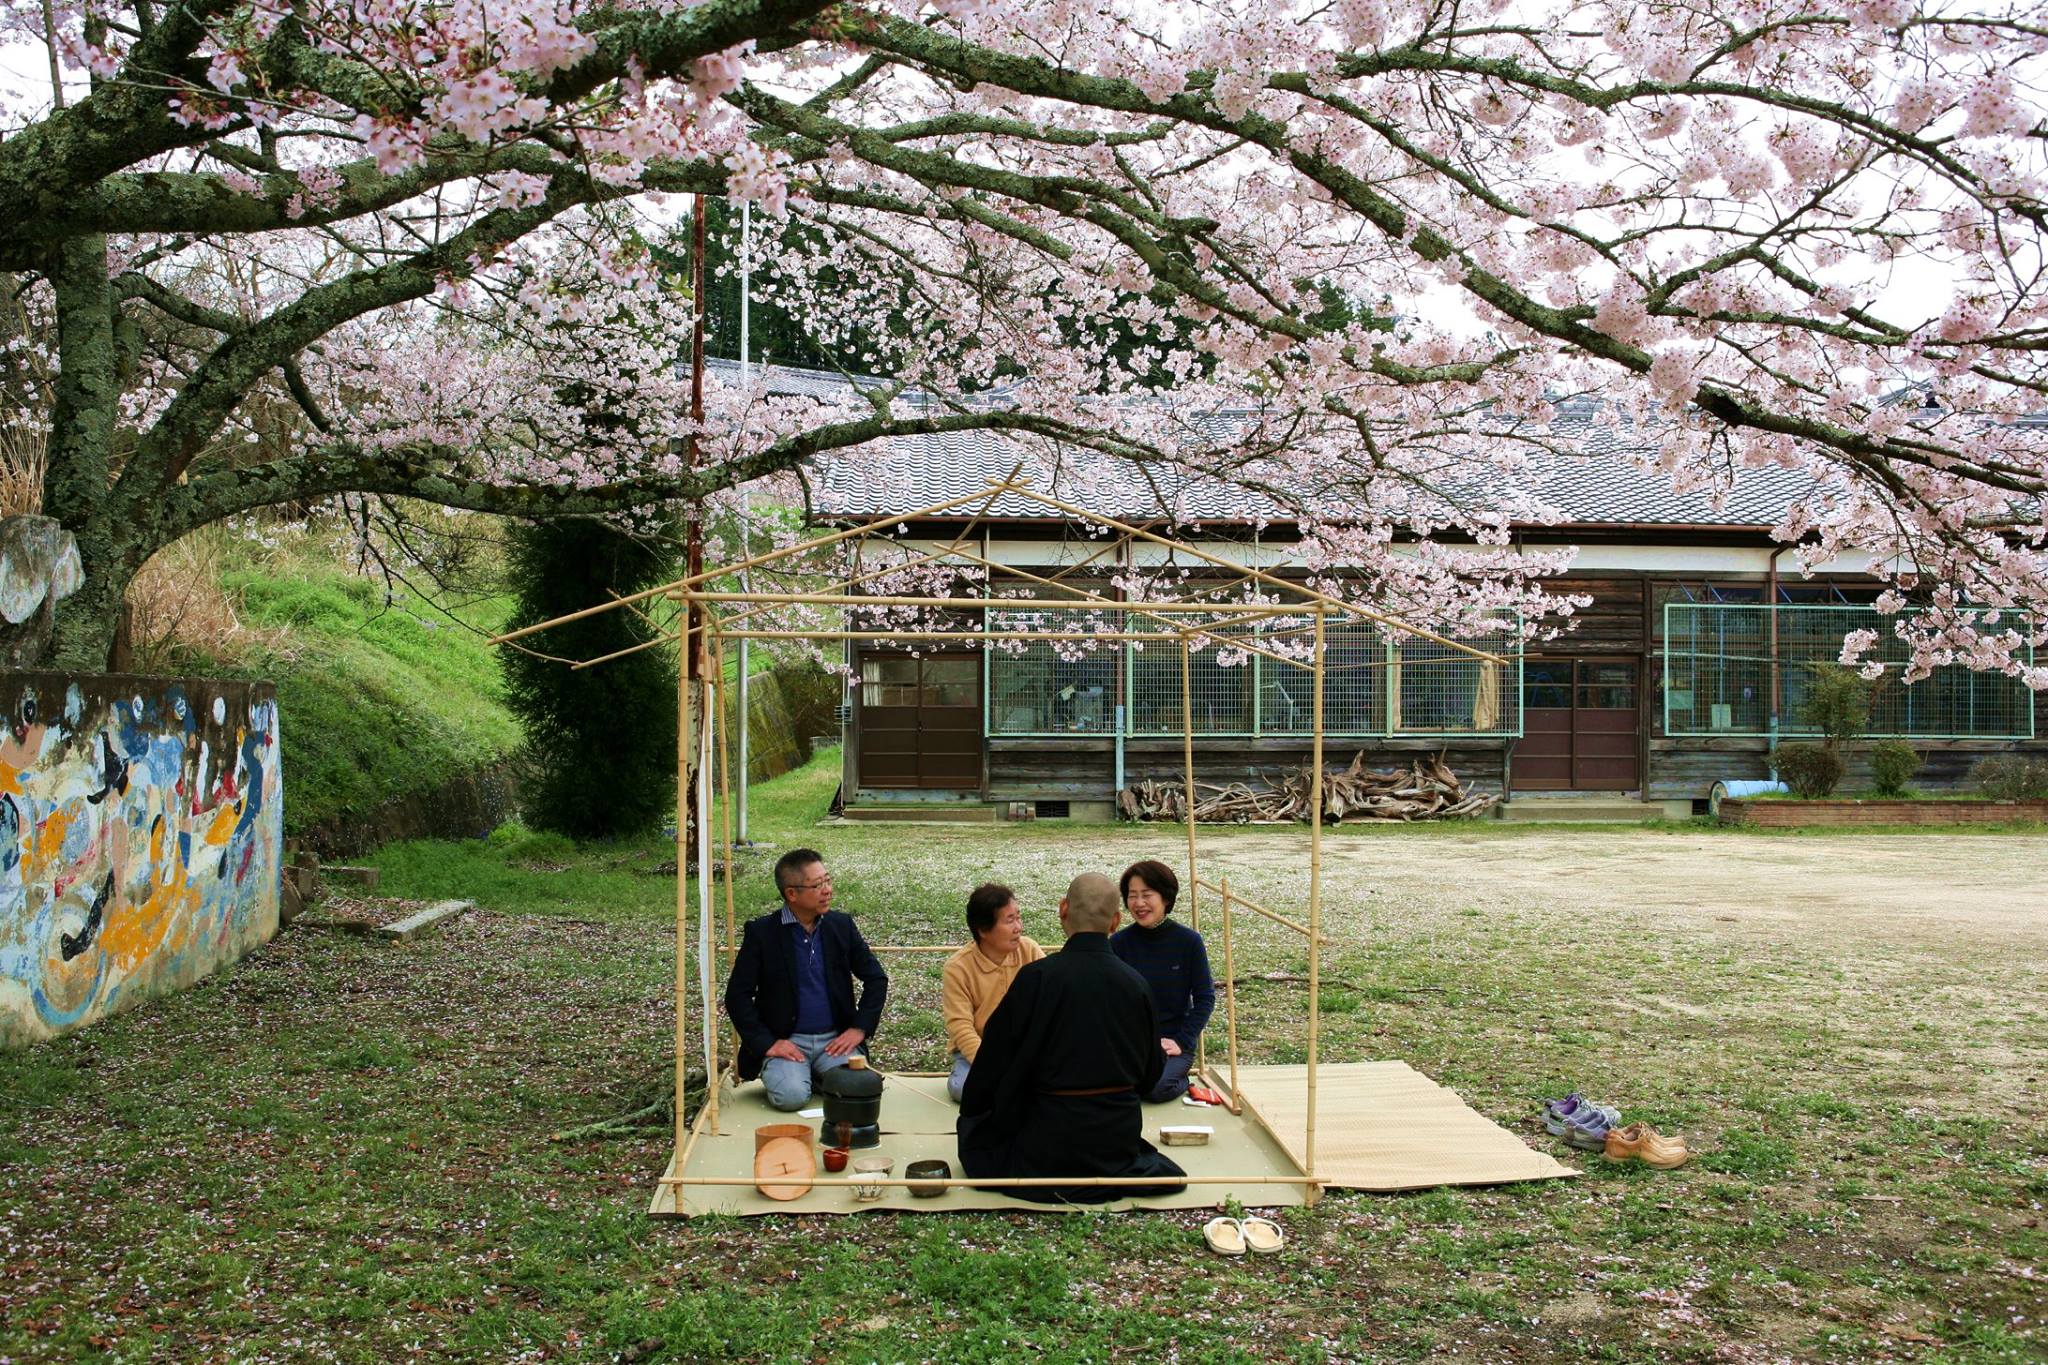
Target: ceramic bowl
{"points": [[933, 1173]]}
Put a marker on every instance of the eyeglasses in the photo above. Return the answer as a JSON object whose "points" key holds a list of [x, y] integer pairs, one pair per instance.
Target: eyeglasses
{"points": [[818, 885]]}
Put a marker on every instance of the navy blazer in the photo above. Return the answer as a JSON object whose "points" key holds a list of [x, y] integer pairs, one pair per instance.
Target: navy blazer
{"points": [[760, 996]]}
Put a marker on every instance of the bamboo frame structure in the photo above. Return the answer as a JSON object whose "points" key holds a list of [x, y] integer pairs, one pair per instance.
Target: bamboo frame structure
{"points": [[702, 752]]}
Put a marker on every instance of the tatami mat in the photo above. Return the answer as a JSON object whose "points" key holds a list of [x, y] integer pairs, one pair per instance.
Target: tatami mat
{"points": [[1386, 1126], [1379, 1126], [917, 1123]]}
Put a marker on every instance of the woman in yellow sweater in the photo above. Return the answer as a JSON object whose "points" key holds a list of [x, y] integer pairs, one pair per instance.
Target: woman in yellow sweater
{"points": [[977, 976]]}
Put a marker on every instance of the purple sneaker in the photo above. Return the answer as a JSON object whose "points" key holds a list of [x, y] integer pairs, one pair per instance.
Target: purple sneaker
{"points": [[1557, 1113], [1587, 1126]]}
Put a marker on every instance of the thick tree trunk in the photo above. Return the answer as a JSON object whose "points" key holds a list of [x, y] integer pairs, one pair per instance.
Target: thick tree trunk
{"points": [[79, 471], [89, 619]]}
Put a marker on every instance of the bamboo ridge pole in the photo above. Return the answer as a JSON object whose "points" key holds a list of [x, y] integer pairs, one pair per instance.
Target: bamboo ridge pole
{"points": [[912, 636], [1253, 609], [1130, 608], [1320, 598], [770, 557]]}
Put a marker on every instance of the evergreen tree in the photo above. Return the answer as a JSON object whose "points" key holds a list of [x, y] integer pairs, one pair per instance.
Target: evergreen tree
{"points": [[601, 742]]}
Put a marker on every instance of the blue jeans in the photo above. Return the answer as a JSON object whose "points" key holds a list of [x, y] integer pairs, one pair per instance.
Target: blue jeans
{"points": [[957, 1082], [789, 1083], [1173, 1081]]}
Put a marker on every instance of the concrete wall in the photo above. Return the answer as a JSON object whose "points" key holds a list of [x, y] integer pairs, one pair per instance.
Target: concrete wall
{"points": [[141, 840]]}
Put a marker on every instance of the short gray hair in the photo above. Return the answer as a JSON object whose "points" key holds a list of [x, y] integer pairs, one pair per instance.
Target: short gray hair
{"points": [[1091, 904]]}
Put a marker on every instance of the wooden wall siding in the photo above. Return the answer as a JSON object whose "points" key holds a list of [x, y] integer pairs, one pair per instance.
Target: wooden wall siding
{"points": [[1084, 769], [1688, 768], [1613, 624]]}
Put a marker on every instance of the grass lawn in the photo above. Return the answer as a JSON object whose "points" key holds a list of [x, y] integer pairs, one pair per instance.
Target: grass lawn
{"points": [[341, 1150]]}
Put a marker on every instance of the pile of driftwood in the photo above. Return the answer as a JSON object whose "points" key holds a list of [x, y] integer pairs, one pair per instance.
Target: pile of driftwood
{"points": [[1426, 790]]}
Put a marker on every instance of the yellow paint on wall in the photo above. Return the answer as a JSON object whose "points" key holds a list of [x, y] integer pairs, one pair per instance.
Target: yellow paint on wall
{"points": [[49, 840], [223, 825]]}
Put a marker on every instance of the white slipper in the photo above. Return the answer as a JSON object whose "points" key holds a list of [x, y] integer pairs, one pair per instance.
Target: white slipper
{"points": [[1263, 1235], [1225, 1236]]}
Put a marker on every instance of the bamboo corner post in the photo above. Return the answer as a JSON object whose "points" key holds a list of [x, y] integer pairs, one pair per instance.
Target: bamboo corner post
{"points": [[1230, 998], [1187, 747], [1315, 910]]}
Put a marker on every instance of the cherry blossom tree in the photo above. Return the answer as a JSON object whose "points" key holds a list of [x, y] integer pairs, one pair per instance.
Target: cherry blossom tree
{"points": [[393, 248]]}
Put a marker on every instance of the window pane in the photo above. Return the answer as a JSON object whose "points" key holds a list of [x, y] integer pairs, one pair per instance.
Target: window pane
{"points": [[1042, 688], [887, 681], [1607, 686], [1547, 683], [952, 682]]}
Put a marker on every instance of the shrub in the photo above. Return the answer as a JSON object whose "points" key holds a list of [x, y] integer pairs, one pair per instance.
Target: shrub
{"points": [[2011, 777], [601, 741], [1810, 770], [1892, 765], [1837, 702]]}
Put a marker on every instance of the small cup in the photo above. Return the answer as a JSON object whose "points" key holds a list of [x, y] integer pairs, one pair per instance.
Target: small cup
{"points": [[867, 1172], [835, 1159]]}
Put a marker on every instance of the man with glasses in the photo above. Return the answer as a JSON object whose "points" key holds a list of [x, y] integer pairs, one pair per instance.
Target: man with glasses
{"points": [[791, 990]]}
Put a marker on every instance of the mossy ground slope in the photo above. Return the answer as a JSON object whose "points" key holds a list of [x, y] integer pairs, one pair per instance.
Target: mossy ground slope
{"points": [[377, 699]]}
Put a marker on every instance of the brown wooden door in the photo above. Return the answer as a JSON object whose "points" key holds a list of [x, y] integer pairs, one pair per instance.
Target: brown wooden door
{"points": [[1579, 725], [920, 722]]}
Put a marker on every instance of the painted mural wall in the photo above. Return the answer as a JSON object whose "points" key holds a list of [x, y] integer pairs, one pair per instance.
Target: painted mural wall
{"points": [[141, 840]]}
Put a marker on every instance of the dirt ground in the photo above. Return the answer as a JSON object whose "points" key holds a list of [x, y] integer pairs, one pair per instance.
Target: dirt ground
{"points": [[1913, 884]]}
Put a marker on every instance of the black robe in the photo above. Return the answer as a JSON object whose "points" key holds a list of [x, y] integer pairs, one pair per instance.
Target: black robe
{"points": [[1077, 1020]]}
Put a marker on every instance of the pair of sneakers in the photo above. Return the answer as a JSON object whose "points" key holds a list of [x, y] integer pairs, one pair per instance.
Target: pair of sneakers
{"points": [[1581, 1122], [1594, 1127]]}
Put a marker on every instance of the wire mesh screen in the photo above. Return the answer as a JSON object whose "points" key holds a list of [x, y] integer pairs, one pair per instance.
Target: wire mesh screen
{"points": [[1434, 689], [1720, 669], [1220, 690], [1047, 687], [1354, 682]]}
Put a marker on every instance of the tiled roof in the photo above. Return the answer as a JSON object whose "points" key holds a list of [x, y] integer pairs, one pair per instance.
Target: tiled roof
{"points": [[1594, 479]]}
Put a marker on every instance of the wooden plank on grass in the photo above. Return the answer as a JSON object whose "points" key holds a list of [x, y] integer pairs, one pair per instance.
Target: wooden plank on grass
{"points": [[423, 921]]}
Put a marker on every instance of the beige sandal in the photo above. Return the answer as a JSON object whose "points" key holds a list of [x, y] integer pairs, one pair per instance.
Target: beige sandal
{"points": [[1225, 1236], [1263, 1235]]}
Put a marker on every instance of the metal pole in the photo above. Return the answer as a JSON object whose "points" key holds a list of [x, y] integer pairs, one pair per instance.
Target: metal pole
{"points": [[683, 907], [693, 536], [746, 579]]}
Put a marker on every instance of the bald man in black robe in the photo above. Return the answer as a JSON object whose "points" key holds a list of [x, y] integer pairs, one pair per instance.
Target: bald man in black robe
{"points": [[1074, 1043]]}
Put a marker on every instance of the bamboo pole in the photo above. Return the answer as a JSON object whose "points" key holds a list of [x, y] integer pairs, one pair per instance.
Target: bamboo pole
{"points": [[1187, 753], [1315, 912], [1245, 902], [1009, 1182], [724, 777], [1321, 598], [816, 543], [951, 548], [1130, 608], [1230, 998], [707, 928], [1255, 609], [1070, 636]]}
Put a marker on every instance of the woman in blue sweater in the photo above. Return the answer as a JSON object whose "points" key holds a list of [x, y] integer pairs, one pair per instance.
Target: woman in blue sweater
{"points": [[1175, 964]]}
